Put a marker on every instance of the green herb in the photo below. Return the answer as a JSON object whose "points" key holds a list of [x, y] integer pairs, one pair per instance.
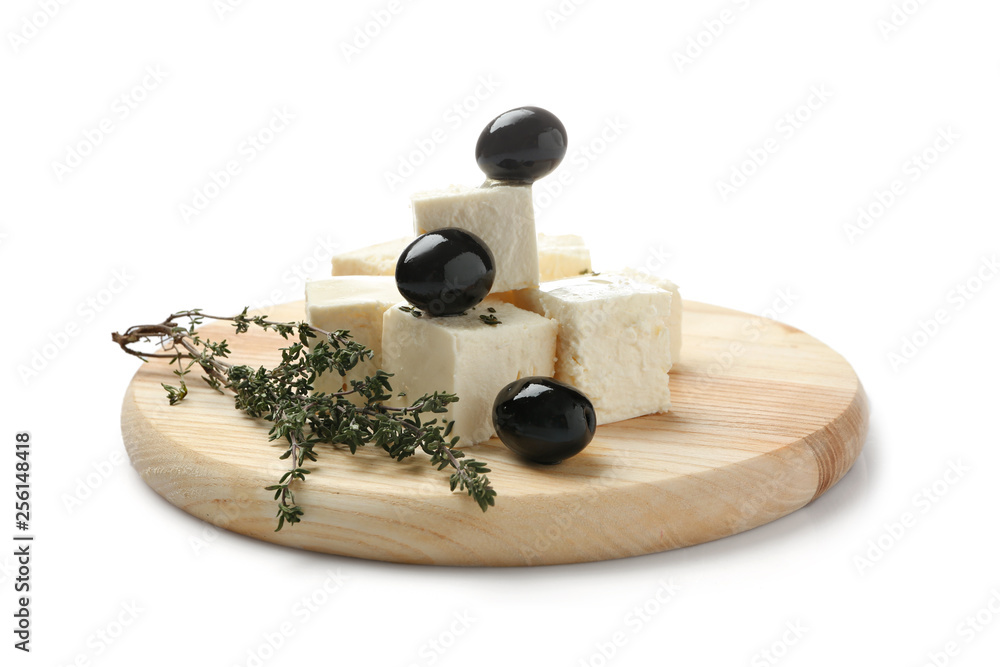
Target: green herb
{"points": [[411, 310], [283, 396], [491, 310], [490, 319]]}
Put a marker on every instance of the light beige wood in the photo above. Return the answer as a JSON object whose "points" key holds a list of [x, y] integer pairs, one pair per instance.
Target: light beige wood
{"points": [[765, 419]]}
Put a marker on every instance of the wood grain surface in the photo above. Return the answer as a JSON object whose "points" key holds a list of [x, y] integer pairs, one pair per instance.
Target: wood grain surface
{"points": [[765, 419]]}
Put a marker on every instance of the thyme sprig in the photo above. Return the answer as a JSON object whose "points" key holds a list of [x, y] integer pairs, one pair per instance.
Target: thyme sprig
{"points": [[283, 395]]}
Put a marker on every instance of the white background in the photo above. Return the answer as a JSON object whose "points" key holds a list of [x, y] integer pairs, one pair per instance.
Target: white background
{"points": [[114, 223]]}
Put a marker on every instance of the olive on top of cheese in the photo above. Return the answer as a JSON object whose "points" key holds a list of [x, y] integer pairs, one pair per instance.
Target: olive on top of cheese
{"points": [[521, 145], [502, 216], [445, 272]]}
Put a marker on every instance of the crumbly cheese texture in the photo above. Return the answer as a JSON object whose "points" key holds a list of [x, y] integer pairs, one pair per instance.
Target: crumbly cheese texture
{"points": [[467, 357], [676, 306], [501, 215], [355, 303], [563, 256], [614, 341], [375, 260]]}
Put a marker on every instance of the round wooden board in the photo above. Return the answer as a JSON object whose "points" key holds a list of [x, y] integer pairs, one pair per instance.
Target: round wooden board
{"points": [[765, 419]]}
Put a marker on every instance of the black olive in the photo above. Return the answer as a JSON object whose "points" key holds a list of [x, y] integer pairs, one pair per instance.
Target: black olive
{"points": [[445, 271], [543, 420], [522, 145]]}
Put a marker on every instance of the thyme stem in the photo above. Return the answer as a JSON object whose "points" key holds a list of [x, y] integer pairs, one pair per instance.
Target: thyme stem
{"points": [[284, 395]]}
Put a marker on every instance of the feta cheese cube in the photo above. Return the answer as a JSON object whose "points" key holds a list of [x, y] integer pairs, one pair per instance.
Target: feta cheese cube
{"points": [[467, 357], [676, 307], [502, 216], [355, 303], [614, 341], [374, 260], [563, 256]]}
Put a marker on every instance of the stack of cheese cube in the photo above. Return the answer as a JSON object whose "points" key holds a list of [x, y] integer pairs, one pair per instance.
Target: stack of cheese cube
{"points": [[613, 336]]}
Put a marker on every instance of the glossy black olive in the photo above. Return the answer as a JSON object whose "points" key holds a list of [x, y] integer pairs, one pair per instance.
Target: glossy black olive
{"points": [[543, 420], [522, 144], [445, 271]]}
